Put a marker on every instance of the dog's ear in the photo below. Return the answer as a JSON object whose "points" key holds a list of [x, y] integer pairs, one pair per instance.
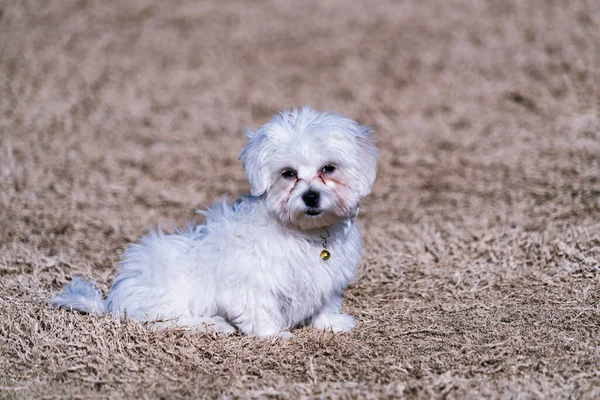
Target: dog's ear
{"points": [[254, 157], [367, 159]]}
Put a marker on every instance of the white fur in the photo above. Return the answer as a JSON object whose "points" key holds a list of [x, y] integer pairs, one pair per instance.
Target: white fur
{"points": [[255, 265]]}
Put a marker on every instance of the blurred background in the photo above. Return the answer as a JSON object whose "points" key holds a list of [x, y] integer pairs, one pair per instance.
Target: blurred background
{"points": [[119, 115]]}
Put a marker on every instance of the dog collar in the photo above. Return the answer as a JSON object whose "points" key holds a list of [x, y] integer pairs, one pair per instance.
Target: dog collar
{"points": [[325, 254]]}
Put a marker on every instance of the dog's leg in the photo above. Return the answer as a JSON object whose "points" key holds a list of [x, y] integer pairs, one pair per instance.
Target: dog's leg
{"points": [[261, 319], [331, 319], [262, 328], [213, 324]]}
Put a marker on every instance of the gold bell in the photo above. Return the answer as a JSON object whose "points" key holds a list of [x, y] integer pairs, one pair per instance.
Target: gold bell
{"points": [[325, 254]]}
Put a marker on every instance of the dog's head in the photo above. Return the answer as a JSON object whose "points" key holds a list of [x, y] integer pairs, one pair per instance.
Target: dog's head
{"points": [[312, 167]]}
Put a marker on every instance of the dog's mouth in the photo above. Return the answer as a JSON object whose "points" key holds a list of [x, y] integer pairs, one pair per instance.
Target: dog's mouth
{"points": [[313, 212]]}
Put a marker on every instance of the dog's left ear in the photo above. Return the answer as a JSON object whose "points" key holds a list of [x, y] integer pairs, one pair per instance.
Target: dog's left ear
{"points": [[367, 159], [254, 158]]}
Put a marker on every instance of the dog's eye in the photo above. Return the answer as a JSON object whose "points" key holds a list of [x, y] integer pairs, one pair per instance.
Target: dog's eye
{"points": [[328, 169], [288, 173]]}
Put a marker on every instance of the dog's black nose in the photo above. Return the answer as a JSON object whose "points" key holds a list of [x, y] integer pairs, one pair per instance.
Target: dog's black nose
{"points": [[311, 198]]}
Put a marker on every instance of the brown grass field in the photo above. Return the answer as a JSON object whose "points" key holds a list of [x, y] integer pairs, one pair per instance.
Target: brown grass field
{"points": [[480, 275]]}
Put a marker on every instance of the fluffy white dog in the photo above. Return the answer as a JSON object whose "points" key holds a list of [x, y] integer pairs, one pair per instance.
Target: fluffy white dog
{"points": [[273, 260]]}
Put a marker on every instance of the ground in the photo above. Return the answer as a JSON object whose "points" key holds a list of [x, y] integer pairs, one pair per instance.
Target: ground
{"points": [[480, 275]]}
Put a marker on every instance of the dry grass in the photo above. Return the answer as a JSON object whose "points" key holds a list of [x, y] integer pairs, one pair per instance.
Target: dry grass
{"points": [[481, 269]]}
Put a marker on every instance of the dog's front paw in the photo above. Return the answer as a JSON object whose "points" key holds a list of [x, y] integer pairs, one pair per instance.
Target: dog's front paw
{"points": [[219, 325], [285, 335], [275, 335], [336, 323]]}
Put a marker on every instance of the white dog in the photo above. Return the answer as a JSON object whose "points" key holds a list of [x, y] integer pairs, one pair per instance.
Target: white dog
{"points": [[273, 260]]}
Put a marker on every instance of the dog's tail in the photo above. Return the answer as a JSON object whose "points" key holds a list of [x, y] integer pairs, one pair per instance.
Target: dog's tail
{"points": [[80, 295]]}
